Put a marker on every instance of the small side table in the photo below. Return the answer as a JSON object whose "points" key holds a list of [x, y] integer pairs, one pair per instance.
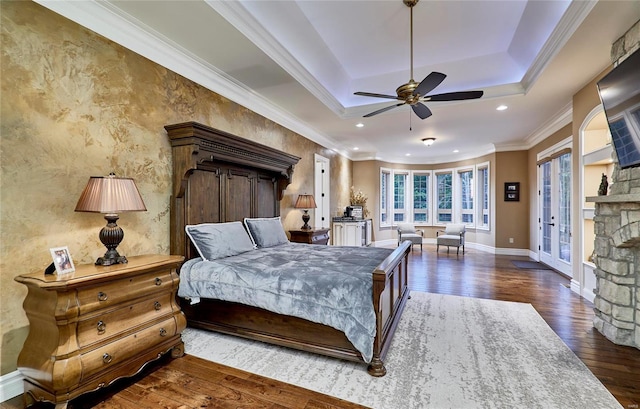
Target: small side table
{"points": [[310, 236]]}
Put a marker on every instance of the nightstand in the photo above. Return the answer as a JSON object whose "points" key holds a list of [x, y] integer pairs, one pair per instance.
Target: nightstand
{"points": [[311, 236], [97, 324]]}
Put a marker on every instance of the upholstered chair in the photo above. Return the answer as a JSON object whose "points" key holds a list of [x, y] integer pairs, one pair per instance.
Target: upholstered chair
{"points": [[407, 231], [453, 236]]}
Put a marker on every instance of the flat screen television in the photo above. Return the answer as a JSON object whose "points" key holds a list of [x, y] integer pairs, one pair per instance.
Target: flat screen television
{"points": [[620, 95]]}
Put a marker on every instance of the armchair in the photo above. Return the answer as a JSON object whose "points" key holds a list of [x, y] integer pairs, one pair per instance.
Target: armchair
{"points": [[407, 231], [453, 235]]}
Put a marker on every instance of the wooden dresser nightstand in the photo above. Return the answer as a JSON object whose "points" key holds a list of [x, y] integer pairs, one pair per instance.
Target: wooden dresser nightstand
{"points": [[97, 324], [311, 236]]}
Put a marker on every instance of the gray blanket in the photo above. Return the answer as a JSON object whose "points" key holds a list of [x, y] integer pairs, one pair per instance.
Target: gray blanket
{"points": [[325, 284]]}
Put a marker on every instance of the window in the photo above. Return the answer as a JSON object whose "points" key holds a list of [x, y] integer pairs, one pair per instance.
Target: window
{"points": [[421, 197], [465, 178], [399, 197], [385, 175], [428, 197], [483, 196], [444, 197]]}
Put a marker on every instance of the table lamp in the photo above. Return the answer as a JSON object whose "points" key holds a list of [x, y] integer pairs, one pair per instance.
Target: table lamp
{"points": [[305, 202], [110, 195]]}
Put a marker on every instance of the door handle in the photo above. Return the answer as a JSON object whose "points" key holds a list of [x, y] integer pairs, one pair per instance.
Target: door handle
{"points": [[551, 224]]}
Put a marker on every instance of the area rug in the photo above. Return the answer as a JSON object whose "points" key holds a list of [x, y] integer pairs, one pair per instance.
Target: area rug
{"points": [[448, 352], [529, 265]]}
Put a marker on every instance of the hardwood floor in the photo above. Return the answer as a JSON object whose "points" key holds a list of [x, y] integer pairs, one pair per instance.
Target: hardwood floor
{"points": [[190, 382]]}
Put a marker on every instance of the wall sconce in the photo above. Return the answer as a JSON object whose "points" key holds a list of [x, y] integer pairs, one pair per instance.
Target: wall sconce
{"points": [[428, 141], [110, 195], [305, 202]]}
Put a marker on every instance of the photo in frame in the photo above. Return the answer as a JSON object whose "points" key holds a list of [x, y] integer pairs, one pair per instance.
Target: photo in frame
{"points": [[62, 260], [356, 211], [512, 191]]}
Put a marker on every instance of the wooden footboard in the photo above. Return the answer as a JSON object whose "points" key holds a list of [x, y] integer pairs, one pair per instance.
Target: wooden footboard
{"points": [[390, 293]]}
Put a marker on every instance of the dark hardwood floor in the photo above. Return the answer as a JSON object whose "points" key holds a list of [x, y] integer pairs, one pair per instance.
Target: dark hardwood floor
{"points": [[190, 382]]}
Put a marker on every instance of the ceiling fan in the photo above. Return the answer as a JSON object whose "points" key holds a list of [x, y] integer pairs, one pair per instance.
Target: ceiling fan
{"points": [[413, 93]]}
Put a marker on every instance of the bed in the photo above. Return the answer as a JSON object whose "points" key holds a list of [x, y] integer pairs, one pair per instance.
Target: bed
{"points": [[223, 178]]}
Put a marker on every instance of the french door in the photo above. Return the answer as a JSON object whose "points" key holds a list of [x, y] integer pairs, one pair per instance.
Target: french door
{"points": [[554, 211]]}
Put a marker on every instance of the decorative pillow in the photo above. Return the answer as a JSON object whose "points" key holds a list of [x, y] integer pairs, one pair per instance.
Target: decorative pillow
{"points": [[266, 232], [219, 240]]}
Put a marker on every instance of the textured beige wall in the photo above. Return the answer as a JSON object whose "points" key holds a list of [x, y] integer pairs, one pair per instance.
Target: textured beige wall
{"points": [[76, 105]]}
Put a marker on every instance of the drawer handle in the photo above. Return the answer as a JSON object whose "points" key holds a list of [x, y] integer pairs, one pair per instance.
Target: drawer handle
{"points": [[163, 332], [157, 305], [102, 296], [106, 358], [158, 281], [102, 327]]}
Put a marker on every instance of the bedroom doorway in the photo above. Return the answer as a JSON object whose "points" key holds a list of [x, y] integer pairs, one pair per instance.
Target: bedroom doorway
{"points": [[322, 192]]}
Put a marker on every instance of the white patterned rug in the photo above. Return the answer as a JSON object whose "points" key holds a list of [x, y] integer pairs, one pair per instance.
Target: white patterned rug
{"points": [[448, 352]]}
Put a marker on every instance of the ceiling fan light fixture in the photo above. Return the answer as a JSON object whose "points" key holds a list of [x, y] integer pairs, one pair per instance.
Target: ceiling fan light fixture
{"points": [[428, 141], [415, 93]]}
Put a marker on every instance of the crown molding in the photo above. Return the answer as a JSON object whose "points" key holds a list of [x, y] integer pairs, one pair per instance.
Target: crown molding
{"points": [[107, 20], [560, 120], [243, 21], [568, 24]]}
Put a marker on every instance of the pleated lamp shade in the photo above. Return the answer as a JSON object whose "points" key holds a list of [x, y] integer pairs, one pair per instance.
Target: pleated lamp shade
{"points": [[110, 195]]}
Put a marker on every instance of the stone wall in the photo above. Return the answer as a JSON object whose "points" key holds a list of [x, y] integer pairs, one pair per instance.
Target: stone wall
{"points": [[617, 245]]}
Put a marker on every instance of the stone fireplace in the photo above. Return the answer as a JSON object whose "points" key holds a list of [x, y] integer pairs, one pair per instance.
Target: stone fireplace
{"points": [[617, 242]]}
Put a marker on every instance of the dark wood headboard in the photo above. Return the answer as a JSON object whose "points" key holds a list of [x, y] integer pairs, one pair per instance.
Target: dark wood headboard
{"points": [[219, 177]]}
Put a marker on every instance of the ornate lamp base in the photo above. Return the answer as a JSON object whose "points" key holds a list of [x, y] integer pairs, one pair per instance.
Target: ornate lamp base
{"points": [[305, 219], [111, 235]]}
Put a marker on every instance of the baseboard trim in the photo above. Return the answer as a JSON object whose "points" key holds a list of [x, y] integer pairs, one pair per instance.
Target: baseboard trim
{"points": [[470, 245], [11, 385], [512, 252]]}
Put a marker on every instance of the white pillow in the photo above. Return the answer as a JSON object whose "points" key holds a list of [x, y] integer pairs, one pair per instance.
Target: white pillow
{"points": [[266, 231], [219, 240]]}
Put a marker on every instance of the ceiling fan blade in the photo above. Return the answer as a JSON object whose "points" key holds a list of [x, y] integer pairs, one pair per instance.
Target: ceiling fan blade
{"points": [[429, 83], [421, 110], [454, 96], [383, 110], [370, 94]]}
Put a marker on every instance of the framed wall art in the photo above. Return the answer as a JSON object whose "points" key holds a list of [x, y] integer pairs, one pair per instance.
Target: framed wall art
{"points": [[62, 260], [512, 191]]}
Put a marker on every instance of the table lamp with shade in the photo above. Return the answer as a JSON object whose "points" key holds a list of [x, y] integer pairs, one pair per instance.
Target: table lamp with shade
{"points": [[305, 202], [110, 195]]}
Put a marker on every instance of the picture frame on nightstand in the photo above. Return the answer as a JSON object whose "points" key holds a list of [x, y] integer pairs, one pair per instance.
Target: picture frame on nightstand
{"points": [[62, 260]]}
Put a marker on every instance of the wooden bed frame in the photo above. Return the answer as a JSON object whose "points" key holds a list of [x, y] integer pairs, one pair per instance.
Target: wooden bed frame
{"points": [[219, 177]]}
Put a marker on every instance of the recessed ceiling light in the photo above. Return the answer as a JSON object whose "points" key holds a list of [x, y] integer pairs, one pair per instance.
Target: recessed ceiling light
{"points": [[456, 150], [355, 148], [407, 154], [359, 125], [501, 108], [428, 141]]}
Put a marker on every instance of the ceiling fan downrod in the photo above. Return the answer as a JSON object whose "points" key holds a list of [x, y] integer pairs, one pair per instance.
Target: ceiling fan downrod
{"points": [[411, 4]]}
